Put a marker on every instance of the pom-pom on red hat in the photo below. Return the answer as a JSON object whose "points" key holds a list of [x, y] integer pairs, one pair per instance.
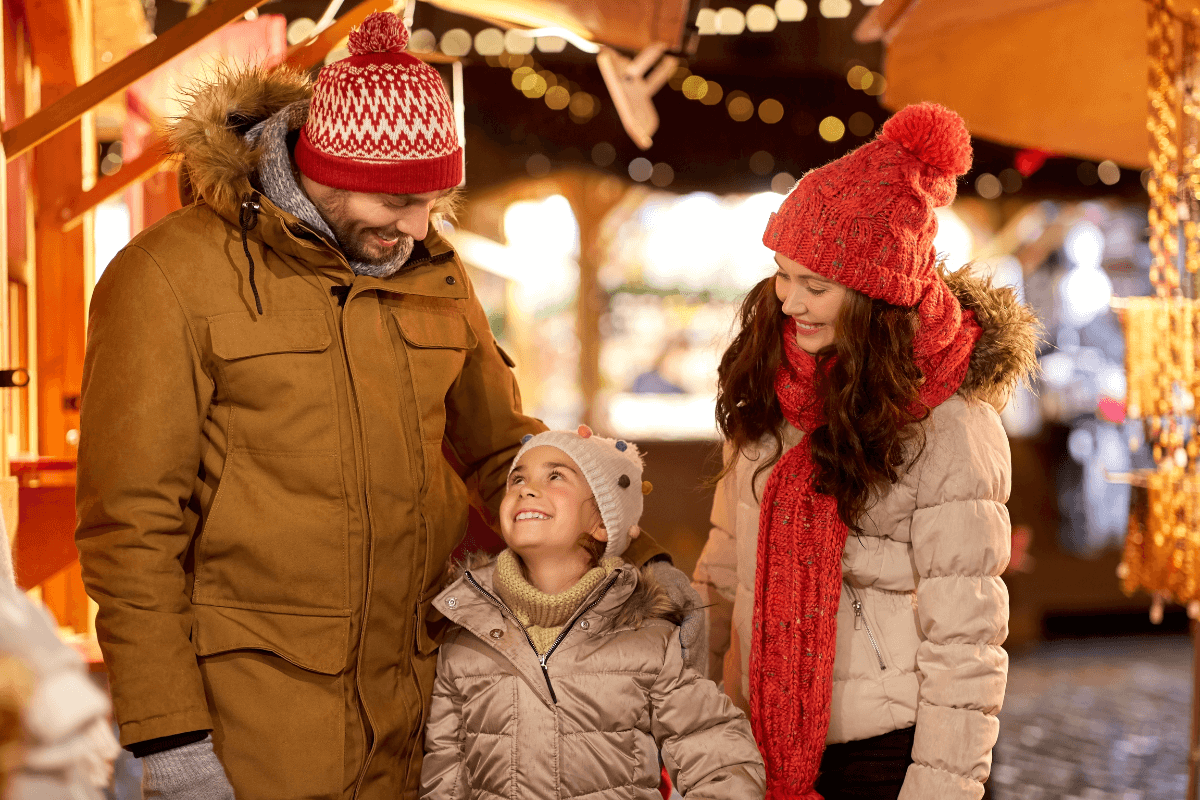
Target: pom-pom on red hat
{"points": [[867, 219], [380, 120]]}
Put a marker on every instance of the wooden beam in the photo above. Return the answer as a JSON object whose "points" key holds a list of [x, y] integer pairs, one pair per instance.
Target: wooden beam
{"points": [[878, 22], [132, 171], [51, 36], [69, 108], [6, 324], [61, 259]]}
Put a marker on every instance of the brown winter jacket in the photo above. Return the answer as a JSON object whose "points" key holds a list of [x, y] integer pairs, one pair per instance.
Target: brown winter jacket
{"points": [[265, 510], [923, 610], [590, 718]]}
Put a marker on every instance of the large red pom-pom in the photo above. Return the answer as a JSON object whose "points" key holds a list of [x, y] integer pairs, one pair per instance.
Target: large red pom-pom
{"points": [[381, 32], [934, 134]]}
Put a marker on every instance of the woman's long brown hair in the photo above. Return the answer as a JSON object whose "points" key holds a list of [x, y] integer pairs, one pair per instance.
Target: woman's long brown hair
{"points": [[870, 393]]}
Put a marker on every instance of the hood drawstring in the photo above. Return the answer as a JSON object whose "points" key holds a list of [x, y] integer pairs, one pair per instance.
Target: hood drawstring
{"points": [[248, 217]]}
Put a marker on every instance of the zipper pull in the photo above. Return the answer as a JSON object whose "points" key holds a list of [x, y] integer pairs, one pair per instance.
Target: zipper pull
{"points": [[549, 685], [858, 613]]}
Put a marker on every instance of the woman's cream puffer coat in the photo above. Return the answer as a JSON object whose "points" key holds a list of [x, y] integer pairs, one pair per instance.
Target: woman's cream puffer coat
{"points": [[923, 610], [614, 694]]}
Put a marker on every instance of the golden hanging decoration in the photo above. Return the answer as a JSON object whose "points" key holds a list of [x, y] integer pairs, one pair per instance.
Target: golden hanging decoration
{"points": [[1162, 549]]}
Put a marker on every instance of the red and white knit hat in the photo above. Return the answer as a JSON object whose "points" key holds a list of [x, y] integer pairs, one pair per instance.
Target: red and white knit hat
{"points": [[380, 120]]}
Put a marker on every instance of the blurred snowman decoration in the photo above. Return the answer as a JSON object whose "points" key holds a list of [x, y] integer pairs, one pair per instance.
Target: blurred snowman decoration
{"points": [[62, 747]]}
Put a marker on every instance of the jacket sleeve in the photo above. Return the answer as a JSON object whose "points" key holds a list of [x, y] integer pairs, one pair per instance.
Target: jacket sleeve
{"points": [[145, 396], [442, 770], [961, 538], [705, 741], [715, 576], [484, 421]]}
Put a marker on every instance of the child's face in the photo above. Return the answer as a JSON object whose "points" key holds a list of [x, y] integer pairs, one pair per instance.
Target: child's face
{"points": [[547, 506]]}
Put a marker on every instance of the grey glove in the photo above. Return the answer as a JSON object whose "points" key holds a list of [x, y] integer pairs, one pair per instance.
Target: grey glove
{"points": [[693, 636], [191, 772]]}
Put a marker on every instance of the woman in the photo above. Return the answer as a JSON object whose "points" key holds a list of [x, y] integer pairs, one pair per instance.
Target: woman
{"points": [[852, 573]]}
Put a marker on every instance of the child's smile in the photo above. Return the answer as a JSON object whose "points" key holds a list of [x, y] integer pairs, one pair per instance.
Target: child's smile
{"points": [[546, 509]]}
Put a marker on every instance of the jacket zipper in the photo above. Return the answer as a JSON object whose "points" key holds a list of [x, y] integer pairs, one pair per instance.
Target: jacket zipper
{"points": [[563, 635], [859, 616]]}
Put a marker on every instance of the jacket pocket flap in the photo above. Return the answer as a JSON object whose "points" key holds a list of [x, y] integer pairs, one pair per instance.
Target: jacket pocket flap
{"points": [[236, 336], [436, 327], [317, 644]]}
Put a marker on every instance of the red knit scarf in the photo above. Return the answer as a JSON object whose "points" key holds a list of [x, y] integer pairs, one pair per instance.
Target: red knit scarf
{"points": [[797, 586]]}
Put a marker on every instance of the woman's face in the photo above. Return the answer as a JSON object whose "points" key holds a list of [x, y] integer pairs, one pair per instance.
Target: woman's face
{"points": [[813, 301]]}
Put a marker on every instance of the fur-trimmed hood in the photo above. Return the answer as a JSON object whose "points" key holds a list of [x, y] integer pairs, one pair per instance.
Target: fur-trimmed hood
{"points": [[648, 600], [1006, 353], [210, 135]]}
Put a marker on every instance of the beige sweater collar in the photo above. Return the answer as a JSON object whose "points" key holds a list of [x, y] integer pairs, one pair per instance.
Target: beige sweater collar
{"points": [[534, 607]]}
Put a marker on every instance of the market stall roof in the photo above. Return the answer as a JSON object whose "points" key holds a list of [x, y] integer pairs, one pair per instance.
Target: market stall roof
{"points": [[628, 24], [1067, 76]]}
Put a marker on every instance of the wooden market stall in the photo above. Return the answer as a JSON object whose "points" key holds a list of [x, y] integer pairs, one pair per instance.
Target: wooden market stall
{"points": [[67, 62]]}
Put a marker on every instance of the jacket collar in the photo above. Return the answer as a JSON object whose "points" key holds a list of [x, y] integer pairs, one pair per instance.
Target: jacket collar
{"points": [[471, 601]]}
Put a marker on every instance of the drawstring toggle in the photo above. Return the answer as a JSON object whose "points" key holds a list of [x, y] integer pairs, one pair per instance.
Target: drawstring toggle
{"points": [[248, 217]]}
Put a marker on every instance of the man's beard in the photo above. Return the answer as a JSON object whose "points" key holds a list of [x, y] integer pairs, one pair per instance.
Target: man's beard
{"points": [[360, 245]]}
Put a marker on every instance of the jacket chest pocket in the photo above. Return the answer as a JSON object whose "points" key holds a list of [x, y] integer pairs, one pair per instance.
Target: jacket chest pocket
{"points": [[436, 339], [277, 378]]}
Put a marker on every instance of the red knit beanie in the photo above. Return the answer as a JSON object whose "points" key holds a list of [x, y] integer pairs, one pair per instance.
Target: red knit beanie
{"points": [[866, 220], [380, 120]]}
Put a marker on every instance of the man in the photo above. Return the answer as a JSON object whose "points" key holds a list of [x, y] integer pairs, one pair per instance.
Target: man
{"points": [[265, 510]]}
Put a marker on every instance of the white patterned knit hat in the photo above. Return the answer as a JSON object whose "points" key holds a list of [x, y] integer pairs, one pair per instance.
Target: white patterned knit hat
{"points": [[380, 120], [612, 468]]}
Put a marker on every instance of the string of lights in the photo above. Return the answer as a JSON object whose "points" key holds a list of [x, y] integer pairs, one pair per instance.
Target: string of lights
{"points": [[513, 49]]}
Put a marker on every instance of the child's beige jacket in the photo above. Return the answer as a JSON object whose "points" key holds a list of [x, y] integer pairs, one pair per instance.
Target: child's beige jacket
{"points": [[590, 718]]}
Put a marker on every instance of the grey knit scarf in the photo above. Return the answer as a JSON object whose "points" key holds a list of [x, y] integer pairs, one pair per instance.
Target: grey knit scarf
{"points": [[279, 182]]}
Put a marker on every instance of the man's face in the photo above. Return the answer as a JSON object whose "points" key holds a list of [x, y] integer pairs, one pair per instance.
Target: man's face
{"points": [[372, 228]]}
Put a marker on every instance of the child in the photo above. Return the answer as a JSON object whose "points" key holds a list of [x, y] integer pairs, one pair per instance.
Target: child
{"points": [[564, 676]]}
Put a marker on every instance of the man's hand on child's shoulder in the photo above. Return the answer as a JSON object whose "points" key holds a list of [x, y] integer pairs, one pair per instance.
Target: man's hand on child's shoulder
{"points": [[691, 631]]}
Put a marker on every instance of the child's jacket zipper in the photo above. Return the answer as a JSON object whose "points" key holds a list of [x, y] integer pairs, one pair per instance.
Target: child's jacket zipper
{"points": [[859, 616], [562, 635]]}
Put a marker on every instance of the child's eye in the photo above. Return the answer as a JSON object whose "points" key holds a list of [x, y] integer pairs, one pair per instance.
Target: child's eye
{"points": [[555, 474], [515, 480], [781, 276]]}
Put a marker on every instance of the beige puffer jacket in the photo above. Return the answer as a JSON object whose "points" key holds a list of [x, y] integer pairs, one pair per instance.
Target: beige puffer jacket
{"points": [[923, 609], [590, 719]]}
